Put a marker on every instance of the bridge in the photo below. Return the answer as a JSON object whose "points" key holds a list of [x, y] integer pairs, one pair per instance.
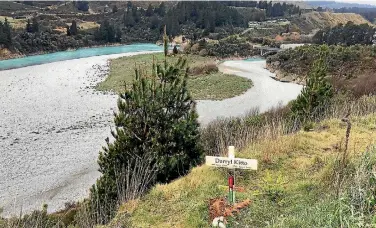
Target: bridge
{"points": [[265, 51]]}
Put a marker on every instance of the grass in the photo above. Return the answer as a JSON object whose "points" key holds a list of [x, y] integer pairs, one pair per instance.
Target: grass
{"points": [[213, 86], [87, 25], [15, 23], [291, 188]]}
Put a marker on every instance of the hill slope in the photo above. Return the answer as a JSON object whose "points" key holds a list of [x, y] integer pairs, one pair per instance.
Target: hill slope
{"points": [[318, 20], [294, 185]]}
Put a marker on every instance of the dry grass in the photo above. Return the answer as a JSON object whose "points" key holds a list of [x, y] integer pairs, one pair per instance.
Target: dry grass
{"points": [[240, 132], [86, 25], [15, 23], [288, 166]]}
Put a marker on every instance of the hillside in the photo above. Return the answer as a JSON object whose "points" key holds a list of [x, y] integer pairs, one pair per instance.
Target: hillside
{"points": [[351, 68], [293, 187], [318, 20]]}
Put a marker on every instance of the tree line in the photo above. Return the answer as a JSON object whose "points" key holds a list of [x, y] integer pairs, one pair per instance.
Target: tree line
{"points": [[5, 33], [275, 9], [368, 13], [349, 34]]}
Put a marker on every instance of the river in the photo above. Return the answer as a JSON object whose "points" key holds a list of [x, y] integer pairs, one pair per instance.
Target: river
{"points": [[53, 122]]}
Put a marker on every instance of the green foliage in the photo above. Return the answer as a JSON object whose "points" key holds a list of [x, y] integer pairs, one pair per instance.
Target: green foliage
{"points": [[149, 12], [273, 187], [73, 28], [28, 26], [316, 94], [82, 5], [5, 33], [349, 34], [230, 46], [204, 15], [106, 33], [175, 50], [350, 68], [35, 25], [157, 120]]}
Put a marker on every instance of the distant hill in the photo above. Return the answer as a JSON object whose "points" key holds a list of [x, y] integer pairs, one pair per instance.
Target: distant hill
{"points": [[319, 20], [337, 5]]}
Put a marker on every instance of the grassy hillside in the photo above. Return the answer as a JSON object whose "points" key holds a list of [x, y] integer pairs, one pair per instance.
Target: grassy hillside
{"points": [[318, 20], [295, 185], [205, 81]]}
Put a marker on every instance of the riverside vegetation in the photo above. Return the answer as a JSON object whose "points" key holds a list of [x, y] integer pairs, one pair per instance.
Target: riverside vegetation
{"points": [[316, 160], [351, 68], [204, 79]]}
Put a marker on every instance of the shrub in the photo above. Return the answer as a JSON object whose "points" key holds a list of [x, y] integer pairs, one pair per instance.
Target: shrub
{"points": [[203, 52], [205, 69], [315, 94]]}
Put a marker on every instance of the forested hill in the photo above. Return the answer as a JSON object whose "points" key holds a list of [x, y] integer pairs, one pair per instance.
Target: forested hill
{"points": [[34, 26]]}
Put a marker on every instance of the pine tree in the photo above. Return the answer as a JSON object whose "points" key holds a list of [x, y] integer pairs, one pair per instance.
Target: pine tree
{"points": [[35, 25], [7, 29], [28, 26], [73, 28], [118, 35], [317, 92], [114, 9], [129, 20], [2, 34], [149, 11], [161, 10], [157, 123], [175, 50], [68, 31]]}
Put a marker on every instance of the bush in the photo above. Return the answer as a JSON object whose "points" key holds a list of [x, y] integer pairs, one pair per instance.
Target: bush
{"points": [[205, 69], [316, 94], [203, 52]]}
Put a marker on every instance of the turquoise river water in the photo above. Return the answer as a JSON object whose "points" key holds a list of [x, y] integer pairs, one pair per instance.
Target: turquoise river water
{"points": [[75, 54]]}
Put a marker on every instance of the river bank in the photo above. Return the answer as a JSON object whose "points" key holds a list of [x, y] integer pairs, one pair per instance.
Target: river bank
{"points": [[6, 54], [54, 123], [265, 94]]}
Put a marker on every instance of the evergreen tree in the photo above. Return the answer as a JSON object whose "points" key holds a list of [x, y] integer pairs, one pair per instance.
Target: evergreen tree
{"points": [[7, 30], [175, 50], [156, 122], [106, 32], [118, 35], [114, 9], [317, 92], [73, 28], [82, 5], [161, 10], [29, 28], [2, 34], [149, 12], [35, 25], [136, 15], [68, 31], [129, 5], [154, 22], [129, 20]]}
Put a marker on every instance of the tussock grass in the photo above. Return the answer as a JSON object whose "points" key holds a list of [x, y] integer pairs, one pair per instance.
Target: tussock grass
{"points": [[291, 181], [204, 82]]}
